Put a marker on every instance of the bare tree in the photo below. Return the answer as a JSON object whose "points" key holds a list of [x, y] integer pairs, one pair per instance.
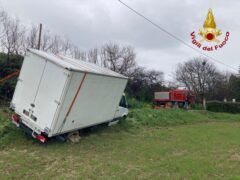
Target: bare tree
{"points": [[32, 37], [16, 40], [77, 54], [234, 87], [18, 36], [45, 42], [143, 83], [119, 59], [3, 16], [220, 88], [128, 60], [154, 77], [13, 35], [199, 75], [65, 46], [93, 56], [55, 44]]}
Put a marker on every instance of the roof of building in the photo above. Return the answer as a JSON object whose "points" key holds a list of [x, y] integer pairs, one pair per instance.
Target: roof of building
{"points": [[76, 65]]}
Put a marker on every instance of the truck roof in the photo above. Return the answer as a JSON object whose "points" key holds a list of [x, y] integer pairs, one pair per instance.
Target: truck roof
{"points": [[75, 65]]}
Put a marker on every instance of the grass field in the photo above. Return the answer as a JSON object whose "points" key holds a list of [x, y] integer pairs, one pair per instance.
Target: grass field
{"points": [[150, 144]]}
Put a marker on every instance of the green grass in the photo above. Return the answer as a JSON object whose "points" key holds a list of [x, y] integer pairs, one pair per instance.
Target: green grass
{"points": [[151, 144], [135, 104], [170, 117]]}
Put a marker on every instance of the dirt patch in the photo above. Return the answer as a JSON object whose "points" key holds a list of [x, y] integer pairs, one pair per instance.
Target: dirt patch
{"points": [[180, 153], [74, 137], [235, 157]]}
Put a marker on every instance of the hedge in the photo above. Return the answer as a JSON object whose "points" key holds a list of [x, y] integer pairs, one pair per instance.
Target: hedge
{"points": [[229, 107]]}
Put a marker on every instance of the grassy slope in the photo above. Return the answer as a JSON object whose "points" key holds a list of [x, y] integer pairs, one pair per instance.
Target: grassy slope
{"points": [[148, 145], [168, 117]]}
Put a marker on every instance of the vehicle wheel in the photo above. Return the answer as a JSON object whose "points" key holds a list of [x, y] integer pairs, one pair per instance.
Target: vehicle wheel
{"points": [[175, 105], [186, 105], [62, 138]]}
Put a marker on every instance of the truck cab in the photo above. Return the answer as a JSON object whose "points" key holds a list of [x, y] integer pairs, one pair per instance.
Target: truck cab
{"points": [[122, 110]]}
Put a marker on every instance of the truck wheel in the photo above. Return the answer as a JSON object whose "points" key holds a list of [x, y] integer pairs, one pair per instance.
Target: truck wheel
{"points": [[186, 106], [175, 105], [62, 138]]}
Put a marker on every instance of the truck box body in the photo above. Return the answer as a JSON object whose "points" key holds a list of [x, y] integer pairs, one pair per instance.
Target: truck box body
{"points": [[179, 95], [55, 94], [163, 96]]}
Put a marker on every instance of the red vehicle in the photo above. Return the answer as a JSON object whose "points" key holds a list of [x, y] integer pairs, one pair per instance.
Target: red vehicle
{"points": [[173, 99]]}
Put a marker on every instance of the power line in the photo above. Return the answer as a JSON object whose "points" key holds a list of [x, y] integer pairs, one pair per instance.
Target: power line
{"points": [[175, 37]]}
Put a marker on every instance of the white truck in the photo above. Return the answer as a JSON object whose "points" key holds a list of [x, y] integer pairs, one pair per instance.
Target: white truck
{"points": [[55, 95]]}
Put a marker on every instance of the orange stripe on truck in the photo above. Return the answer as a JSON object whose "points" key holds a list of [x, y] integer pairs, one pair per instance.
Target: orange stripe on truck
{"points": [[76, 95]]}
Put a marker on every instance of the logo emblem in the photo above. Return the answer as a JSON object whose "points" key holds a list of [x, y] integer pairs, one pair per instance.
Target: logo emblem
{"points": [[209, 33]]}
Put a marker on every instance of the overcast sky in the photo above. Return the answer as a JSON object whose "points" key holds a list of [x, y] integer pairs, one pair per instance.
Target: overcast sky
{"points": [[91, 23]]}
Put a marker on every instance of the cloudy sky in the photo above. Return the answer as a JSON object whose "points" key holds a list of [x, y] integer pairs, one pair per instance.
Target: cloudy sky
{"points": [[91, 23]]}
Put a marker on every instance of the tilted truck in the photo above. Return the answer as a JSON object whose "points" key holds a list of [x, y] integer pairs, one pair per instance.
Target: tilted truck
{"points": [[55, 95]]}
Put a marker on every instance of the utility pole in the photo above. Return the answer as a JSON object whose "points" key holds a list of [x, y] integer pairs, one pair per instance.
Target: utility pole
{"points": [[40, 35]]}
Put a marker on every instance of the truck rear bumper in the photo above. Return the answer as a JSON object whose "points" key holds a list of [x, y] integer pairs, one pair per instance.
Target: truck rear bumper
{"points": [[17, 121]]}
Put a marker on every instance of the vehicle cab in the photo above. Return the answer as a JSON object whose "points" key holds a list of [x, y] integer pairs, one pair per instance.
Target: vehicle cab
{"points": [[122, 110]]}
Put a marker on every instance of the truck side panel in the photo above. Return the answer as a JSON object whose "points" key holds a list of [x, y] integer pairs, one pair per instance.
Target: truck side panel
{"points": [[178, 95], [96, 102]]}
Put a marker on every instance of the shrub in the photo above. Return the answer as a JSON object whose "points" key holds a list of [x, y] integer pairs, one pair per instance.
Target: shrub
{"points": [[7, 67], [217, 106], [133, 103], [196, 106]]}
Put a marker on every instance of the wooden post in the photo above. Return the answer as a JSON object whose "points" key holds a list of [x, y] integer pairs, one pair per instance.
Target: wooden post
{"points": [[40, 35]]}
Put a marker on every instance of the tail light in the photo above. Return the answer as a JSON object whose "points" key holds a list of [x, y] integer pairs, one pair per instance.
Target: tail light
{"points": [[41, 138], [15, 120]]}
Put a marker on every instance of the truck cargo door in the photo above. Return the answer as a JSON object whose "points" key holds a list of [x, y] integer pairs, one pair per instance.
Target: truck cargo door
{"points": [[49, 95], [28, 83]]}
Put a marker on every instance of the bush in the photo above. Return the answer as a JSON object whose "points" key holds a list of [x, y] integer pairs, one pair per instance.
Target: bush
{"points": [[7, 67], [196, 106], [217, 106], [133, 103]]}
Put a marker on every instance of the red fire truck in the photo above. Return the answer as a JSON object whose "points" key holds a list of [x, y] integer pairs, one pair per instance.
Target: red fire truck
{"points": [[173, 99]]}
